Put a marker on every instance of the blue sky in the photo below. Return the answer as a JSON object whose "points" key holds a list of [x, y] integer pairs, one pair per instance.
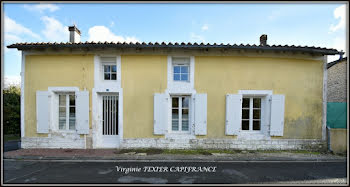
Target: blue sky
{"points": [[321, 25]]}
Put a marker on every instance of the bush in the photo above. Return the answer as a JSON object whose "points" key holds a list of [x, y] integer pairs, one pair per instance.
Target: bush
{"points": [[12, 110]]}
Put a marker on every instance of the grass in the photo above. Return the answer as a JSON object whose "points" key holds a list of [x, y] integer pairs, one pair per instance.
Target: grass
{"points": [[150, 151], [175, 151], [11, 137], [290, 151], [153, 151]]}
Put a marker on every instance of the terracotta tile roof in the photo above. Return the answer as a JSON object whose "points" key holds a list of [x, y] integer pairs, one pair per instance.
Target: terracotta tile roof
{"points": [[324, 51]]}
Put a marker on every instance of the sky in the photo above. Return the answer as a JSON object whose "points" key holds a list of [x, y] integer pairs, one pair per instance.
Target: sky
{"points": [[320, 25]]}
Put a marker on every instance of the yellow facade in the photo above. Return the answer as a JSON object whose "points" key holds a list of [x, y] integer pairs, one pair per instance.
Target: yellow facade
{"points": [[46, 71], [142, 76], [301, 81]]}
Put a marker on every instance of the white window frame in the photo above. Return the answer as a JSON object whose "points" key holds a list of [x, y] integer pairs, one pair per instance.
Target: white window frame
{"points": [[54, 104], [187, 64], [108, 59], [180, 86], [67, 105], [180, 131], [251, 110], [265, 109], [103, 64]]}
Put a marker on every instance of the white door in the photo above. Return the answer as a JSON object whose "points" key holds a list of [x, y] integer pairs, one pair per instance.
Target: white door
{"points": [[109, 123]]}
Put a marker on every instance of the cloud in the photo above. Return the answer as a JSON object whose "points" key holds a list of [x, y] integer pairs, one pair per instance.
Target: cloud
{"points": [[42, 7], [13, 30], [54, 30], [102, 33], [11, 38], [339, 43], [12, 80], [274, 15], [205, 27], [196, 38], [339, 13]]}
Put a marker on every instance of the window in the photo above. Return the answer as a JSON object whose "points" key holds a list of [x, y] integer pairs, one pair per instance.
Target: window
{"points": [[66, 111], [109, 72], [181, 72], [180, 113], [251, 114]]}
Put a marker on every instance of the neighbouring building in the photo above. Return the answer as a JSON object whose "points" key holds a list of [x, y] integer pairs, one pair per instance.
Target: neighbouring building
{"points": [[337, 105], [173, 95]]}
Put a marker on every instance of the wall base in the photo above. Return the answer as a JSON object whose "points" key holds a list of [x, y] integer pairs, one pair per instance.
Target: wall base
{"points": [[274, 144], [68, 141], [166, 143]]}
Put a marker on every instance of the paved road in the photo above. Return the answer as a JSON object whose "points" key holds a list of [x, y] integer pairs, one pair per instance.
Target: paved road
{"points": [[212, 172]]}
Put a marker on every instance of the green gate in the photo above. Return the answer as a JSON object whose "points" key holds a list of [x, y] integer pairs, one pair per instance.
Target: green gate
{"points": [[336, 115]]}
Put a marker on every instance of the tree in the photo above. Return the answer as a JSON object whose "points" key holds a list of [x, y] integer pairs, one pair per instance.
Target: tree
{"points": [[12, 110]]}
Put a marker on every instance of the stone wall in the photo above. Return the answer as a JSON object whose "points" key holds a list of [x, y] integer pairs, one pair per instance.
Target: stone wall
{"points": [[336, 83], [274, 144]]}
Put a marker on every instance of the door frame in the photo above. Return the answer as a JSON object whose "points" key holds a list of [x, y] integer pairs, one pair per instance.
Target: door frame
{"points": [[97, 137]]}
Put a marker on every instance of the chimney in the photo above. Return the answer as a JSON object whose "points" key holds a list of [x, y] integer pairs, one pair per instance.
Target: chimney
{"points": [[74, 34], [263, 40]]}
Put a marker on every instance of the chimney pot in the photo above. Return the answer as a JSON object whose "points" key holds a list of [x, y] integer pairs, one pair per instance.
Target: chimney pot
{"points": [[263, 40], [74, 34]]}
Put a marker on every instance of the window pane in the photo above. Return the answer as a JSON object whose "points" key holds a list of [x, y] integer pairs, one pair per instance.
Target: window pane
{"points": [[107, 68], [256, 113], [176, 69], [245, 103], [256, 102], [175, 125], [184, 113], [62, 100], [184, 69], [175, 114], [256, 125], [114, 76], [184, 77], [114, 68], [184, 125], [185, 101], [176, 77], [107, 76], [175, 102], [71, 112], [62, 111], [71, 123], [72, 100], [62, 123], [245, 114], [245, 125]]}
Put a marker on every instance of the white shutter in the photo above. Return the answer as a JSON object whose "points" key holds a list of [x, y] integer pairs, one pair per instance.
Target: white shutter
{"points": [[160, 115], [200, 116], [42, 111], [277, 115], [233, 114], [82, 112]]}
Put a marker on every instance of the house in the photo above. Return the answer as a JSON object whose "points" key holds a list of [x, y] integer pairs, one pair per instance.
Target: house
{"points": [[337, 105], [164, 95]]}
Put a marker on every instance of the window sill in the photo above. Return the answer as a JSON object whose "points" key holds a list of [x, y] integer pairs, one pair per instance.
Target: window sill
{"points": [[66, 131], [179, 135]]}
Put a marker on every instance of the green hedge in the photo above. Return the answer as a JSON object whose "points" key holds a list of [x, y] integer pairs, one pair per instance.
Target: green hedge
{"points": [[12, 110]]}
